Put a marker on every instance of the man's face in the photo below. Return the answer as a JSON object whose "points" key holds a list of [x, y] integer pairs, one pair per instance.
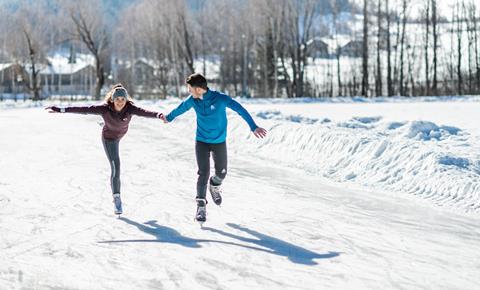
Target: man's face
{"points": [[195, 91]]}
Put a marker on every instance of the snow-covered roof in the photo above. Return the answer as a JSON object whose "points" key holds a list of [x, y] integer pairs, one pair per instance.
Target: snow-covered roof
{"points": [[338, 41], [147, 61], [5, 65], [150, 62], [59, 64]]}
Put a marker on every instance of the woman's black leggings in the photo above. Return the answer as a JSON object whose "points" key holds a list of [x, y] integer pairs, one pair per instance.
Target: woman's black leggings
{"points": [[111, 149], [219, 154]]}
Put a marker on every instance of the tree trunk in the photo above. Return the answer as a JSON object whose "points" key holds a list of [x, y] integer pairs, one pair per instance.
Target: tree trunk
{"points": [[85, 33], [427, 32], [245, 68], [459, 50], [389, 53], [33, 84], [402, 49], [276, 38], [396, 67], [174, 61], [378, 82], [365, 50], [287, 76], [475, 33], [469, 21], [435, 46], [337, 49], [188, 54], [100, 77]]}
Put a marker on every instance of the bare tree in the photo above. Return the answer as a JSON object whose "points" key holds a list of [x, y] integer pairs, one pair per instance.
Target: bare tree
{"points": [[389, 51], [365, 50], [90, 29], [397, 46], [265, 17], [29, 43], [402, 48], [335, 11], [459, 48], [435, 45], [427, 34], [410, 78], [470, 38], [33, 51], [473, 16], [184, 30], [378, 81], [298, 31]]}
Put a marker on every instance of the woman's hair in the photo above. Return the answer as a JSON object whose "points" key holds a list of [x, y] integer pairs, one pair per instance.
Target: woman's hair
{"points": [[108, 97]]}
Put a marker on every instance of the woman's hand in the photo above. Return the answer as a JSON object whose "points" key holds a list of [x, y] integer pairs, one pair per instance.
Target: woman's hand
{"points": [[163, 118], [53, 109]]}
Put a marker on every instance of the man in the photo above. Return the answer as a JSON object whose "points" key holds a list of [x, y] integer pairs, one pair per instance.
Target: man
{"points": [[210, 107]]}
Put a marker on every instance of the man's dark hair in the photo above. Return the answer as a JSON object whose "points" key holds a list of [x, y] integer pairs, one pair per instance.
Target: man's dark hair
{"points": [[197, 80]]}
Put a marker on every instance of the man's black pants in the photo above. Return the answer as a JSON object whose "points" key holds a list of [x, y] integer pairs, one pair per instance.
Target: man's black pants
{"points": [[219, 154]]}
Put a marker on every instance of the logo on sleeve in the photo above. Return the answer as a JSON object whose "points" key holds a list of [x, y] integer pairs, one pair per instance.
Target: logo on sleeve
{"points": [[212, 107]]}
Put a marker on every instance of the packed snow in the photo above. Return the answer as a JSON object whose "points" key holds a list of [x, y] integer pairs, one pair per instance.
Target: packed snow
{"points": [[436, 162], [342, 194]]}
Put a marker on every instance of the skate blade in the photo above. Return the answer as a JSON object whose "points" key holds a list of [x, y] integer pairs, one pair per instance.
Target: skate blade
{"points": [[199, 222]]}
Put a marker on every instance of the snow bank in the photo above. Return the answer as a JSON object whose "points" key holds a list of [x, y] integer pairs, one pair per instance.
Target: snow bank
{"points": [[359, 99], [437, 162]]}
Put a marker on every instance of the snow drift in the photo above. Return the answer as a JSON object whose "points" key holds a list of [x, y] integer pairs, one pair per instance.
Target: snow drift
{"points": [[437, 162]]}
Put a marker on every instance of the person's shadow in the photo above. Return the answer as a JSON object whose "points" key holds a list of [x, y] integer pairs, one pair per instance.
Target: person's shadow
{"points": [[294, 253], [267, 244], [165, 234]]}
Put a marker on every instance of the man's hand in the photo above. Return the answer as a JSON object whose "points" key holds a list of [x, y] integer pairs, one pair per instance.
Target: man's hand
{"points": [[163, 118], [260, 132]]}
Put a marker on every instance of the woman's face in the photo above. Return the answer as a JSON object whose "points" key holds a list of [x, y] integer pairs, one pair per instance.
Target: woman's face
{"points": [[119, 103]]}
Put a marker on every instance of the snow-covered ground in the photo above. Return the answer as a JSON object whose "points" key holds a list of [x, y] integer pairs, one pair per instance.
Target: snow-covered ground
{"points": [[340, 195], [430, 149]]}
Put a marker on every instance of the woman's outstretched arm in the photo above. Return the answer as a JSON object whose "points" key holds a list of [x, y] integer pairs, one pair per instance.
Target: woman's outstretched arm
{"points": [[92, 110], [145, 113]]}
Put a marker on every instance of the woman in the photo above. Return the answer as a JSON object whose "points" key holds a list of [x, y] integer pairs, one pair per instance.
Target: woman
{"points": [[117, 111]]}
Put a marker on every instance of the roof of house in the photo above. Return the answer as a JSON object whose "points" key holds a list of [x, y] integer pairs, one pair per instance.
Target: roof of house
{"points": [[59, 64]]}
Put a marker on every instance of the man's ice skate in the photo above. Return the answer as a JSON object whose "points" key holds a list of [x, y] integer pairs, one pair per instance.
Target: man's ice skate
{"points": [[117, 202], [216, 192], [201, 215]]}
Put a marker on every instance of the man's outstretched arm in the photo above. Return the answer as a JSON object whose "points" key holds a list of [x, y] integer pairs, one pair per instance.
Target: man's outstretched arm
{"points": [[257, 131], [180, 109]]}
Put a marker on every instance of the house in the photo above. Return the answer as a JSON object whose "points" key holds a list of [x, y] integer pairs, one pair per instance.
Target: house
{"points": [[144, 71], [337, 43], [353, 48], [13, 78], [318, 48], [68, 75], [143, 77]]}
